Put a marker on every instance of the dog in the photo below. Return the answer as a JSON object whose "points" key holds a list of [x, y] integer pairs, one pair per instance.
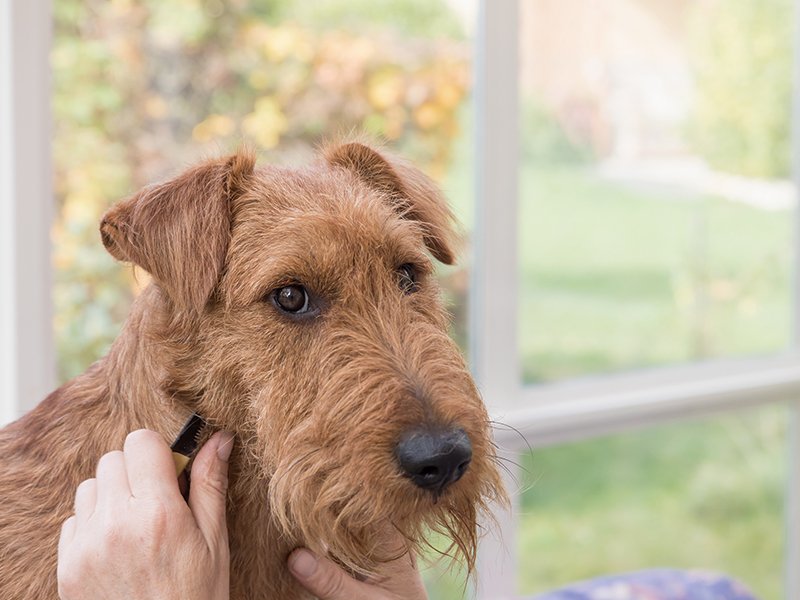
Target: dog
{"points": [[297, 308]]}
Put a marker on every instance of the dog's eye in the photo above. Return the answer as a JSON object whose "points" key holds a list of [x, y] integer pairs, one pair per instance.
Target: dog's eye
{"points": [[292, 299], [408, 279]]}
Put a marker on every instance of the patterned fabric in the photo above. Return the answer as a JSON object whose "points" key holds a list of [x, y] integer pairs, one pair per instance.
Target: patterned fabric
{"points": [[654, 584]]}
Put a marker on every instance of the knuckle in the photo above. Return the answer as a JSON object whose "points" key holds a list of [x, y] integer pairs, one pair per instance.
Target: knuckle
{"points": [[155, 525], [216, 482], [70, 577], [67, 583], [156, 515], [330, 583], [116, 533]]}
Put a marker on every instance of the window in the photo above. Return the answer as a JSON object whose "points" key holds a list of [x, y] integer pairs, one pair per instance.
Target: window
{"points": [[610, 396], [687, 322]]}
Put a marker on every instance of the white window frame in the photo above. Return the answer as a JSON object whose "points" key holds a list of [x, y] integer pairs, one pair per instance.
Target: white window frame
{"points": [[546, 414]]}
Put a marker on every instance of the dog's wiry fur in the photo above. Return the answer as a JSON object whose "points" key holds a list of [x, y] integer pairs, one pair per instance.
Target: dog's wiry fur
{"points": [[317, 404]]}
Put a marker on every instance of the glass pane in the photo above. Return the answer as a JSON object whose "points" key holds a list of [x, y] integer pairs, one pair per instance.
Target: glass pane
{"points": [[143, 88], [656, 212], [700, 495]]}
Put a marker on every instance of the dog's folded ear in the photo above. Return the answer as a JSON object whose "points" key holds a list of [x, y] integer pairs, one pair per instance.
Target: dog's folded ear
{"points": [[179, 230], [413, 194]]}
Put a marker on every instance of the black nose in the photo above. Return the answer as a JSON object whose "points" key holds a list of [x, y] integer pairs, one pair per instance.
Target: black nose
{"points": [[434, 459]]}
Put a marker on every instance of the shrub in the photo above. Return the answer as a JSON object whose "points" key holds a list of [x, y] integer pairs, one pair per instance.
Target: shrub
{"points": [[741, 53]]}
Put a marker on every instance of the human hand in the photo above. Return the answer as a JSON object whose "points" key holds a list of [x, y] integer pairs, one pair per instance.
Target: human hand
{"points": [[133, 536], [326, 581]]}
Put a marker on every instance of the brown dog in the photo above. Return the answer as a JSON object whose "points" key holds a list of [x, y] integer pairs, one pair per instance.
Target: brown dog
{"points": [[296, 308]]}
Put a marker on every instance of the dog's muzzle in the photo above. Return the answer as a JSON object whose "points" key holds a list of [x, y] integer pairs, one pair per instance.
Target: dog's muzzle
{"points": [[434, 459]]}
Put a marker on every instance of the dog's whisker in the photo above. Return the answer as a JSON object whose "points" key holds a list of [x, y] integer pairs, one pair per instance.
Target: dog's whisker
{"points": [[522, 486], [513, 475], [508, 427], [503, 459]]}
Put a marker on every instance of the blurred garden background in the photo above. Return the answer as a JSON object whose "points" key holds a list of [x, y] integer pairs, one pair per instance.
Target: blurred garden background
{"points": [[656, 215]]}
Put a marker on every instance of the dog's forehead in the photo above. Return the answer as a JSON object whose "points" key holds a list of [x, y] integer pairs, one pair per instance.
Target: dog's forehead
{"points": [[314, 222], [329, 205], [280, 191]]}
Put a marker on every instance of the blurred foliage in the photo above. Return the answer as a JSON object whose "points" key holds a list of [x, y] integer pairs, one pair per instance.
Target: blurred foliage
{"points": [[143, 87], [408, 18], [741, 52]]}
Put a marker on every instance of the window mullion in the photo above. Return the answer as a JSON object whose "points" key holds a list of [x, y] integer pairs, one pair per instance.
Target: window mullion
{"points": [[493, 299]]}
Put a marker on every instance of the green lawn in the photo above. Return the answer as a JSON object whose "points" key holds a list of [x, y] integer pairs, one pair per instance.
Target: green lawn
{"points": [[693, 495], [614, 278]]}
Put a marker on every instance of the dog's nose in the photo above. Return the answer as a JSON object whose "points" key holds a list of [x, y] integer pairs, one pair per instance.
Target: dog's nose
{"points": [[434, 459]]}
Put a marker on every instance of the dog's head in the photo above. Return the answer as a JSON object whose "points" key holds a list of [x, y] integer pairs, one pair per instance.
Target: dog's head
{"points": [[308, 321]]}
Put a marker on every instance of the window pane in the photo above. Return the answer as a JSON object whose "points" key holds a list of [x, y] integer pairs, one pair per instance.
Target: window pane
{"points": [[143, 88], [700, 495], [656, 211]]}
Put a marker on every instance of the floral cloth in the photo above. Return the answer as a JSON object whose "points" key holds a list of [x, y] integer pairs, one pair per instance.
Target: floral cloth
{"points": [[654, 584]]}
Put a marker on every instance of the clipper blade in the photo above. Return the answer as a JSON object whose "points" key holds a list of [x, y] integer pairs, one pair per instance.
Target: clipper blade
{"points": [[186, 442]]}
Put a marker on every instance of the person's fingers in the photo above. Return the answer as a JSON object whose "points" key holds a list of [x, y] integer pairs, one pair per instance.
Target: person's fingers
{"points": [[208, 492], [325, 580], [66, 537], [401, 578], [65, 572], [85, 500], [150, 467], [112, 482]]}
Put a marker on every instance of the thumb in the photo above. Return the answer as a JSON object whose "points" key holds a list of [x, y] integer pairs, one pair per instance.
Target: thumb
{"points": [[209, 487], [325, 580]]}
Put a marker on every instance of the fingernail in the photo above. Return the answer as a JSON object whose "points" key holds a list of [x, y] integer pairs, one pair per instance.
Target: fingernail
{"points": [[304, 564], [225, 446]]}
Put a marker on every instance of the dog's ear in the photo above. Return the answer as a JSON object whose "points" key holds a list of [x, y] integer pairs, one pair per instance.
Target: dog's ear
{"points": [[413, 193], [178, 230]]}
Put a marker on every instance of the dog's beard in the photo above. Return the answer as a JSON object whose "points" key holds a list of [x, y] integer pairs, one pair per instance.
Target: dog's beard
{"points": [[344, 509]]}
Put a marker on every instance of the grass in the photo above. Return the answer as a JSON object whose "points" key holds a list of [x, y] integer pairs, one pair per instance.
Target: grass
{"points": [[693, 495], [614, 278]]}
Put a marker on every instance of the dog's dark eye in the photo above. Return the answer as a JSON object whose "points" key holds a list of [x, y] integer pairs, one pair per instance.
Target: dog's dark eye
{"points": [[292, 299], [408, 280]]}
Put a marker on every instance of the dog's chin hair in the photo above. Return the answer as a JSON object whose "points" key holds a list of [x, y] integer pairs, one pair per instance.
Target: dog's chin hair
{"points": [[315, 502]]}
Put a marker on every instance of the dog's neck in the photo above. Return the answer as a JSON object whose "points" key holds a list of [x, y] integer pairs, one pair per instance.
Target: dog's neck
{"points": [[133, 372]]}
